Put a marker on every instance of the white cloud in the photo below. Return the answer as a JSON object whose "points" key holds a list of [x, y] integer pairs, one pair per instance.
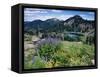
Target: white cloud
{"points": [[31, 14], [64, 17], [34, 11], [92, 13], [87, 17], [57, 11], [45, 17]]}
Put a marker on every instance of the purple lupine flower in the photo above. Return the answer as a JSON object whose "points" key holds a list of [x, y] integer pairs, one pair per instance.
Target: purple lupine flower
{"points": [[49, 46], [49, 40]]}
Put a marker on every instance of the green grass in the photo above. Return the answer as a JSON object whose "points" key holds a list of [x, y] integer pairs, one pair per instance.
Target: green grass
{"points": [[38, 63], [78, 54], [71, 54]]}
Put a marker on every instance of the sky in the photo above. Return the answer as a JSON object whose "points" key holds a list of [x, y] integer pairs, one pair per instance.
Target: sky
{"points": [[31, 14]]}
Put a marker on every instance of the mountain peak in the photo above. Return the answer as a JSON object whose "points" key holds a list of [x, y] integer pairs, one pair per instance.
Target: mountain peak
{"points": [[77, 17], [52, 19], [55, 19], [37, 20]]}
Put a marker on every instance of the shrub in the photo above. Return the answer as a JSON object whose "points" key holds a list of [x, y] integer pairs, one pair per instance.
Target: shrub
{"points": [[47, 48], [38, 63]]}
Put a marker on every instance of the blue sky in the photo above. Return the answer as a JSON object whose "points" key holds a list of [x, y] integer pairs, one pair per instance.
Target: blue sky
{"points": [[31, 14]]}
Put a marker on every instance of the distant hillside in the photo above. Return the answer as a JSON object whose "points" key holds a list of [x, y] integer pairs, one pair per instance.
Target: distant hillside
{"points": [[78, 24], [73, 24]]}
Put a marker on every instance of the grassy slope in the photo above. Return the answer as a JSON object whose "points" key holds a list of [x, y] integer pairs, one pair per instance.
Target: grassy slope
{"points": [[80, 54], [76, 54]]}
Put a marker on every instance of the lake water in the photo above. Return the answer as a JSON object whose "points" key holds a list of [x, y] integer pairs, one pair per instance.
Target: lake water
{"points": [[72, 35]]}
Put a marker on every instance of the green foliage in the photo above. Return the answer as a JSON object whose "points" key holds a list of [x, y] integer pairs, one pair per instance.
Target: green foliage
{"points": [[80, 54], [38, 63], [47, 51], [90, 39], [64, 55]]}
